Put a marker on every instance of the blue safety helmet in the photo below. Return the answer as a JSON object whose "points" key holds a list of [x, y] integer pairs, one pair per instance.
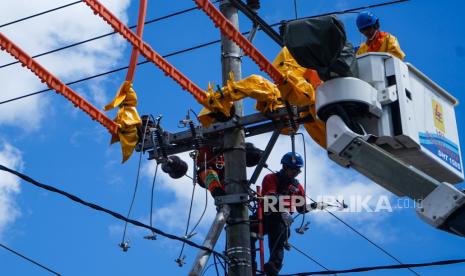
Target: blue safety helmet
{"points": [[289, 161], [366, 19]]}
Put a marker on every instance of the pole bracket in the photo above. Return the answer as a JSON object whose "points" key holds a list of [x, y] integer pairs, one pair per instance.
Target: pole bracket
{"points": [[231, 199]]}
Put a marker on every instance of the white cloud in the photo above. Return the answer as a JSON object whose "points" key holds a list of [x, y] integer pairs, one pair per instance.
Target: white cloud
{"points": [[9, 185], [50, 31]]}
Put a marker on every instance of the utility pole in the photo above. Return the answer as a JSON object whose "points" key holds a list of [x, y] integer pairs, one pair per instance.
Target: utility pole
{"points": [[237, 231]]}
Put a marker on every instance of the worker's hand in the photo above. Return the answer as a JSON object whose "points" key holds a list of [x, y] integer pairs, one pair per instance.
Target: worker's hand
{"points": [[287, 218]]}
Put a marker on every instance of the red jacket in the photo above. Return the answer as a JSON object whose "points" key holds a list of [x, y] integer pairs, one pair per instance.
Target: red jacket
{"points": [[280, 185]]}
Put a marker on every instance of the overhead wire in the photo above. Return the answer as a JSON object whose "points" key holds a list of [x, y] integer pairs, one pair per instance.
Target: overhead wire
{"points": [[112, 71], [295, 9], [195, 177], [306, 255], [216, 266], [381, 267], [347, 11], [305, 174], [110, 212], [167, 55], [202, 215], [135, 186], [29, 260], [151, 196], [310, 258], [180, 257], [366, 238], [39, 14], [105, 35]]}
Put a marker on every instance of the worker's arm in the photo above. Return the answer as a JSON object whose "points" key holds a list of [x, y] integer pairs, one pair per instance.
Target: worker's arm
{"points": [[393, 47]]}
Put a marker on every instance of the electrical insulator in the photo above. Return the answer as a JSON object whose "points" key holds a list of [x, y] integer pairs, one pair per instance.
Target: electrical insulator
{"points": [[253, 4], [174, 167]]}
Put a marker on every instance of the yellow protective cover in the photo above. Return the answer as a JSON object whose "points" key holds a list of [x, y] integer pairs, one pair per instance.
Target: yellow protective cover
{"points": [[127, 119], [296, 90]]}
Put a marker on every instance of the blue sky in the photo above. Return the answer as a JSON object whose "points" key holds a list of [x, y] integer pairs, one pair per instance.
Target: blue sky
{"points": [[49, 140]]}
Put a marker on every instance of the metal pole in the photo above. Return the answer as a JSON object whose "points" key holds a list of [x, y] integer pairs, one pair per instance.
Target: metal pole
{"points": [[238, 230], [210, 241]]}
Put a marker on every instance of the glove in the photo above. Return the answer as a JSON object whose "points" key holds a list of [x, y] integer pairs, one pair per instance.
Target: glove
{"points": [[287, 219]]}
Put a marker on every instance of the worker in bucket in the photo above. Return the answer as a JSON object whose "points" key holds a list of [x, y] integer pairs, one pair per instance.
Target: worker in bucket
{"points": [[283, 195], [376, 40]]}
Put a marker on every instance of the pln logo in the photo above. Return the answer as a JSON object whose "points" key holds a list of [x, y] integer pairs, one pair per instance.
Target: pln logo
{"points": [[438, 115]]}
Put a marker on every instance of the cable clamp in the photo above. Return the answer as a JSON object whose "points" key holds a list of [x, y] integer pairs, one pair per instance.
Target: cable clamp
{"points": [[231, 55]]}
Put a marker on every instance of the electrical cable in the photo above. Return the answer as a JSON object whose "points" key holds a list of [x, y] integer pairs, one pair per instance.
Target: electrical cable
{"points": [[113, 71], [310, 258], [29, 259], [305, 174], [346, 11], [295, 9], [203, 213], [151, 195], [372, 268], [111, 213], [194, 184], [165, 56], [216, 266], [206, 269], [38, 14], [300, 251], [223, 266], [136, 185], [105, 35], [357, 232], [365, 237]]}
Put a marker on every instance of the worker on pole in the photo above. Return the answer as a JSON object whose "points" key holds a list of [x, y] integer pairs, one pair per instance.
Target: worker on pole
{"points": [[376, 40], [283, 195]]}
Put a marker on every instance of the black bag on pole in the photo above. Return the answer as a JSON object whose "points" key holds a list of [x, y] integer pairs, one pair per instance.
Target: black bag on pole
{"points": [[320, 43]]}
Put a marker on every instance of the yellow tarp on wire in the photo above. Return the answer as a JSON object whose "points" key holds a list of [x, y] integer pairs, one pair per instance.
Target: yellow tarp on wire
{"points": [[127, 119], [254, 86], [296, 90]]}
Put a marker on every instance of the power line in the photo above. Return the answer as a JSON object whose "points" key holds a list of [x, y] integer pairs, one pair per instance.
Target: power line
{"points": [[113, 71], [123, 242], [310, 258], [38, 14], [347, 11], [366, 238], [372, 268], [29, 259], [165, 56], [109, 212], [105, 35]]}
